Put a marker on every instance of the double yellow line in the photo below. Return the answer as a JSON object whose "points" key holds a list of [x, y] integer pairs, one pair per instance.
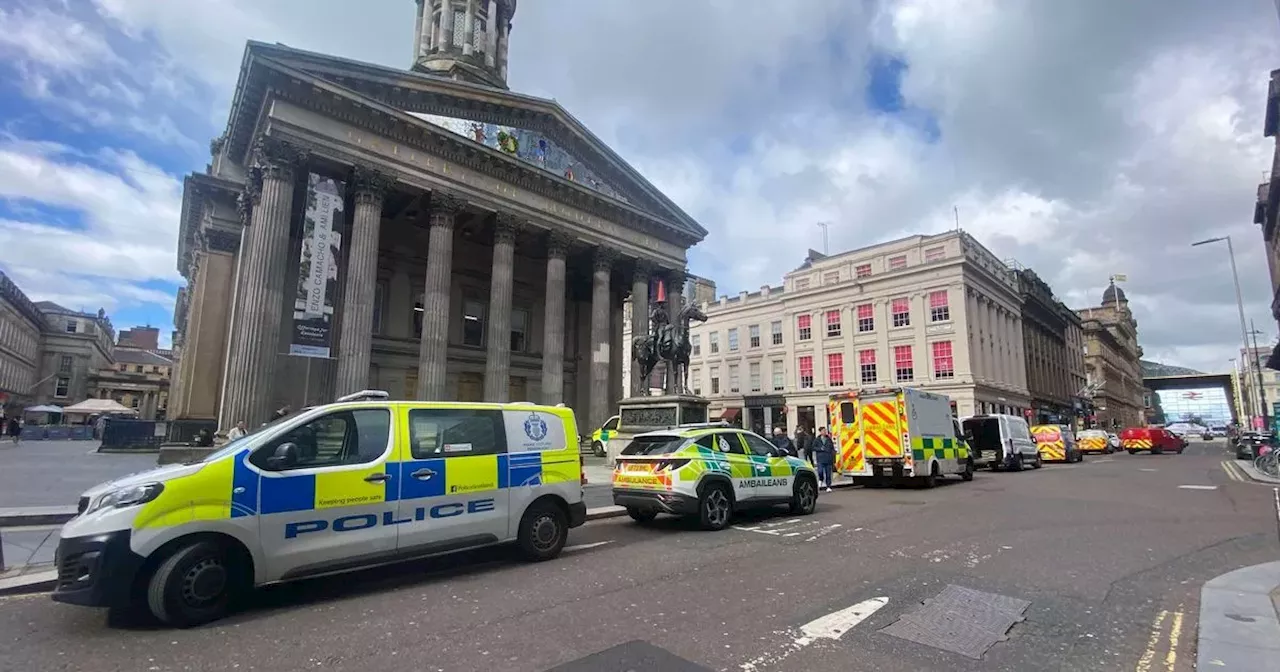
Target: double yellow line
{"points": [[1157, 640], [1234, 472]]}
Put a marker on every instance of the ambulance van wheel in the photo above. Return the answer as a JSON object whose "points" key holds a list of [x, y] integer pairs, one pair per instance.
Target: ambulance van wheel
{"points": [[715, 507], [804, 498], [641, 515], [930, 481], [193, 586], [967, 474], [544, 529], [1133, 452]]}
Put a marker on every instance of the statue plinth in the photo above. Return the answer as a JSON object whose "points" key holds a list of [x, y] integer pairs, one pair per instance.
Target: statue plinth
{"points": [[637, 415]]}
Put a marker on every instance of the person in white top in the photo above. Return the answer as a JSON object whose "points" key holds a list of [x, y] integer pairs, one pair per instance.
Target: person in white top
{"points": [[237, 431]]}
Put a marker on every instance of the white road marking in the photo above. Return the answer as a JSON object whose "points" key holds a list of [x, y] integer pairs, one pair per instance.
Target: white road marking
{"points": [[1102, 461], [1198, 487], [1148, 470], [794, 527], [825, 531], [835, 624], [583, 547]]}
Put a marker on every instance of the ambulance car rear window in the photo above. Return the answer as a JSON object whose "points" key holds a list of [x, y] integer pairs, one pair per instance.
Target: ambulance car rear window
{"points": [[653, 445]]}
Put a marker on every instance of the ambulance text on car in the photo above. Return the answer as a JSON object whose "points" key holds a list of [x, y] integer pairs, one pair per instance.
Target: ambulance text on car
{"points": [[353, 484]]}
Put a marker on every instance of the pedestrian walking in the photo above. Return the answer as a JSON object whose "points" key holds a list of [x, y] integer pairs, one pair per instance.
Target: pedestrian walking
{"points": [[825, 454], [804, 444], [782, 442], [14, 430]]}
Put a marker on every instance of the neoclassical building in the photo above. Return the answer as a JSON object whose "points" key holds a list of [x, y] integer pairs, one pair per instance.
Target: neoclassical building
{"points": [[422, 231]]}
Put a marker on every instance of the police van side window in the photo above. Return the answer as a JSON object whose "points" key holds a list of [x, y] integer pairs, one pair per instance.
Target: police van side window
{"points": [[441, 432], [337, 439]]}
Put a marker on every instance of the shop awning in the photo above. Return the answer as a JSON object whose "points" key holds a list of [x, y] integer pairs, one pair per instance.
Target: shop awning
{"points": [[730, 414]]}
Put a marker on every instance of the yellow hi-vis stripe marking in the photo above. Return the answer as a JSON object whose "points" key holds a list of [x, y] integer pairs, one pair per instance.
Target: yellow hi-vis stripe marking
{"points": [[204, 495], [559, 466], [348, 487], [476, 473]]}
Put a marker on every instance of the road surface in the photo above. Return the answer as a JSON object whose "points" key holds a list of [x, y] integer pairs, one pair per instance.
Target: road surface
{"points": [[1108, 557]]}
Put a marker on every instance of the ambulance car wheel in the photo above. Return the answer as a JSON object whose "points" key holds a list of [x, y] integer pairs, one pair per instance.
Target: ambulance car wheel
{"points": [[715, 507], [597, 449], [1157, 451], [804, 498], [193, 586], [641, 515], [1133, 452], [967, 474], [544, 529]]}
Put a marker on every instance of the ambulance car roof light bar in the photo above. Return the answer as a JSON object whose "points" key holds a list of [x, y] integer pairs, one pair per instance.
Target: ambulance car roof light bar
{"points": [[365, 395]]}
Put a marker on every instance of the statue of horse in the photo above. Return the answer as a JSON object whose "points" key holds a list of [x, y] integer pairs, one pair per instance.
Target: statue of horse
{"points": [[675, 347], [644, 352]]}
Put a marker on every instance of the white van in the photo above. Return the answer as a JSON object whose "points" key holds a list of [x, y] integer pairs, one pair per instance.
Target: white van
{"points": [[1004, 440]]}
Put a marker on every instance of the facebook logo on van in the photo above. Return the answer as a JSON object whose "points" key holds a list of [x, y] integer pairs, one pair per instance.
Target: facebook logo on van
{"points": [[367, 520]]}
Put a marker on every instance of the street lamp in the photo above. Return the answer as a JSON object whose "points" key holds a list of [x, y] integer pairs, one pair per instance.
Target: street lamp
{"points": [[1235, 276]]}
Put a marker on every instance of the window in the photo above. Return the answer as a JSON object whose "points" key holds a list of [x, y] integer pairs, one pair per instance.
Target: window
{"points": [[779, 374], [804, 329], [733, 339], [337, 439], [934, 254], [903, 371], [753, 373], [943, 362], [867, 366], [901, 309], [734, 382], [866, 318], [443, 432], [137, 368], [939, 310], [775, 330], [417, 319], [459, 37], [898, 263], [713, 339], [519, 329], [862, 271], [835, 369], [62, 387], [831, 277], [806, 372], [695, 380], [473, 323], [753, 333], [757, 445], [802, 283], [715, 380], [134, 402], [70, 328], [380, 291], [833, 323], [64, 365], [723, 442], [695, 340]]}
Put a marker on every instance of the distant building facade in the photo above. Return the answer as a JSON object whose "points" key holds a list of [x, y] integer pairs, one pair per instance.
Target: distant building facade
{"points": [[140, 379], [76, 346], [1054, 352], [20, 327], [1112, 357], [141, 338], [936, 312], [1267, 205]]}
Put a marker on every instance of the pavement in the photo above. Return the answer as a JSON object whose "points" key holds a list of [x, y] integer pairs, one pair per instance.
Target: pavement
{"points": [[1239, 621], [1090, 566]]}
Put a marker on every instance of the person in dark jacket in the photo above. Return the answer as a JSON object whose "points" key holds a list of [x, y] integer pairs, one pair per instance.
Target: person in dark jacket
{"points": [[824, 450], [804, 444], [783, 443]]}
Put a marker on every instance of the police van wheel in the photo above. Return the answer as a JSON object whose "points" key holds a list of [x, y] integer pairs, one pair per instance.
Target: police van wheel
{"points": [[641, 515], [193, 586], [715, 508], [804, 499], [544, 530], [967, 474]]}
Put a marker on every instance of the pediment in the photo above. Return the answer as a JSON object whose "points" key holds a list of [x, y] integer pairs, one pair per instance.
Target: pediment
{"points": [[538, 132]]}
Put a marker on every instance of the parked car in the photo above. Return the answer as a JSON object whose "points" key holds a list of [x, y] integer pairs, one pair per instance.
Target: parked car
{"points": [[1249, 443]]}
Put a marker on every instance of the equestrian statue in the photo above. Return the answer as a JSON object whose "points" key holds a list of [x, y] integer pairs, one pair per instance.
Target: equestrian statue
{"points": [[666, 341]]}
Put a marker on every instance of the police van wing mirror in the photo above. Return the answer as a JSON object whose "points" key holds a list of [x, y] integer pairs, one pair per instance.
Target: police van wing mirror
{"points": [[286, 456]]}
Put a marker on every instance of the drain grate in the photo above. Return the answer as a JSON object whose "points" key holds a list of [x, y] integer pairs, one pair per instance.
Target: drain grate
{"points": [[960, 620]]}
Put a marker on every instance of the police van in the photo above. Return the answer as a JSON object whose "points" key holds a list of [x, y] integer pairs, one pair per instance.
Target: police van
{"points": [[361, 482]]}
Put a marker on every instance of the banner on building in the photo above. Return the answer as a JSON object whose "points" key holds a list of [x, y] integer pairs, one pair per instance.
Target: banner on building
{"points": [[318, 268]]}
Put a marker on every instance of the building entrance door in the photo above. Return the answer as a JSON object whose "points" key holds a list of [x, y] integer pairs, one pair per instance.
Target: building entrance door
{"points": [[757, 420]]}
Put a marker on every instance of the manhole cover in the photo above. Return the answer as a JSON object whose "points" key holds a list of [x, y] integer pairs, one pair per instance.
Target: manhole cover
{"points": [[960, 620], [633, 656]]}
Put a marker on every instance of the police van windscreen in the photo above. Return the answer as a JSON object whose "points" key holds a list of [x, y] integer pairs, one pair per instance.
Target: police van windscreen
{"points": [[653, 445]]}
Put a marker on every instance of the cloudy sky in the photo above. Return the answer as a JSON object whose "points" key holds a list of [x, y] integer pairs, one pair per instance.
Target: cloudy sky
{"points": [[1080, 138]]}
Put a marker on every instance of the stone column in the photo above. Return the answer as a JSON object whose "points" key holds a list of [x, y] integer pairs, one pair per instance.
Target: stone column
{"points": [[446, 30], [433, 351], [504, 35], [418, 31], [497, 368], [491, 35], [553, 320], [639, 321], [602, 268], [355, 341], [977, 363], [260, 295], [675, 304], [468, 29]]}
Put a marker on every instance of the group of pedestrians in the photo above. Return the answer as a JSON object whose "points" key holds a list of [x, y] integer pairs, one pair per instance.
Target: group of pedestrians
{"points": [[820, 450]]}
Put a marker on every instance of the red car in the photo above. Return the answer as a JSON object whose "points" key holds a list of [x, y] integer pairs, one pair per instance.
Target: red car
{"points": [[1155, 439]]}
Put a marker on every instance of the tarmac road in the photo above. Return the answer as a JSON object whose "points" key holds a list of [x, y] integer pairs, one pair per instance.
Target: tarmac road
{"points": [[1110, 554]]}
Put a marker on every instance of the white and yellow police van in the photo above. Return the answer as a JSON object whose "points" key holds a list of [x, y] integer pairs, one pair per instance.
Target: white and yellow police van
{"points": [[361, 482]]}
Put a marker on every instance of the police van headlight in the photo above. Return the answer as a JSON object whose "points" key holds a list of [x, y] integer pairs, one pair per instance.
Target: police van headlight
{"points": [[126, 497]]}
